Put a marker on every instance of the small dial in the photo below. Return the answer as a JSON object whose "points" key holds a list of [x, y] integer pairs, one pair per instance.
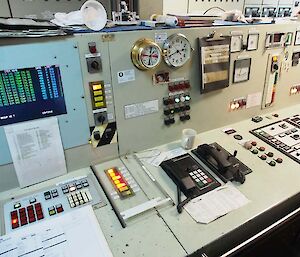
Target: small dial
{"points": [[241, 70], [150, 56], [146, 54], [177, 50]]}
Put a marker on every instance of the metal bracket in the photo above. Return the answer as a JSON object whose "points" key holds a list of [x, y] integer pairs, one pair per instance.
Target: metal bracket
{"points": [[108, 37]]}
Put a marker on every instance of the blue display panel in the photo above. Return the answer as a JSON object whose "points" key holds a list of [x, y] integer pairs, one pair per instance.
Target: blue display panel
{"points": [[30, 93]]}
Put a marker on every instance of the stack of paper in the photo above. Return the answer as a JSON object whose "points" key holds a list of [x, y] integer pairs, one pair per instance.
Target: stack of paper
{"points": [[216, 203]]}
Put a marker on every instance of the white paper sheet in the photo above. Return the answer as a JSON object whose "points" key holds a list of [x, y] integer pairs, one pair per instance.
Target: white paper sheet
{"points": [[156, 157], [214, 204], [36, 150], [74, 234], [254, 100]]}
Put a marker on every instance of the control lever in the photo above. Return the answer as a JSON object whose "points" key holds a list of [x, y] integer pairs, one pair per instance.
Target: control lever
{"points": [[237, 174]]}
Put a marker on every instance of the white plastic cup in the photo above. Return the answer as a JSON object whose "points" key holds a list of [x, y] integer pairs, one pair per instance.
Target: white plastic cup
{"points": [[188, 138]]}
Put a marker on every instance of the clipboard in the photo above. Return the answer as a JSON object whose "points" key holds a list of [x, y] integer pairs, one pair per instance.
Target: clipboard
{"points": [[214, 62]]}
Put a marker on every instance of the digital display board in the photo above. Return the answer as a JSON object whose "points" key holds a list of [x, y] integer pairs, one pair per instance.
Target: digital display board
{"points": [[30, 93]]}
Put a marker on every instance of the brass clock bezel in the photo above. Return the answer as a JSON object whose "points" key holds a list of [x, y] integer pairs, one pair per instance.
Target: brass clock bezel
{"points": [[137, 49], [167, 43]]}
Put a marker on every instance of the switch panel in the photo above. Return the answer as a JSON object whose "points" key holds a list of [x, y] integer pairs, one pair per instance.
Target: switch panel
{"points": [[93, 62], [294, 90], [274, 40], [97, 95], [238, 104], [61, 198], [177, 102], [119, 182], [271, 81]]}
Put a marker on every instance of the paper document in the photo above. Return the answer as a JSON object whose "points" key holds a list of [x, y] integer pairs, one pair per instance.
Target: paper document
{"points": [[156, 157], [74, 234], [214, 204], [36, 150]]}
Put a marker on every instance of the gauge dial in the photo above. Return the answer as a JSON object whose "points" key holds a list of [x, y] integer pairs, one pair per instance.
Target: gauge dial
{"points": [[145, 54], [241, 70], [177, 50]]}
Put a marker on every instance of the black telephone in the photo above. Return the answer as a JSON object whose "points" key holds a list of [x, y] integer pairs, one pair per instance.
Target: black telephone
{"points": [[222, 163], [189, 176]]}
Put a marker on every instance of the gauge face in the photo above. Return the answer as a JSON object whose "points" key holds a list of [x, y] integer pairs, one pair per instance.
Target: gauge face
{"points": [[241, 70], [177, 50], [145, 54], [150, 56]]}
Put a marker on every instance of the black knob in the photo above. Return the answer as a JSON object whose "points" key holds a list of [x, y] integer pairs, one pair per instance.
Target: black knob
{"points": [[187, 107], [239, 177], [166, 101], [177, 109], [166, 111], [96, 135], [167, 122], [95, 65], [187, 117], [101, 119], [172, 120], [275, 66], [182, 118]]}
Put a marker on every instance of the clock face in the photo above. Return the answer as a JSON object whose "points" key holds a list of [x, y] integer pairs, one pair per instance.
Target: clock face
{"points": [[146, 54], [241, 70], [177, 50], [150, 56]]}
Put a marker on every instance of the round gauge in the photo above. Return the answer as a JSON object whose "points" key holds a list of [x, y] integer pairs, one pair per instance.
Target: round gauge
{"points": [[177, 50], [145, 54]]}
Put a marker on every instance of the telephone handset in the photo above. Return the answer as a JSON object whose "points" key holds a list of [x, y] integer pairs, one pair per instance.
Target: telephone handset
{"points": [[189, 176], [224, 164]]}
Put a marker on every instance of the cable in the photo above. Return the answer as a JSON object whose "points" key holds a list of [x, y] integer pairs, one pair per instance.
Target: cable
{"points": [[214, 7]]}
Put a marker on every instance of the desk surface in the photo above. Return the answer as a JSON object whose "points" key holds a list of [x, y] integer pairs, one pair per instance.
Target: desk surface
{"points": [[162, 231]]}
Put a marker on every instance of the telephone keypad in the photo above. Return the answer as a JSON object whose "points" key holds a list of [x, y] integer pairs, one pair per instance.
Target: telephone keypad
{"points": [[200, 177]]}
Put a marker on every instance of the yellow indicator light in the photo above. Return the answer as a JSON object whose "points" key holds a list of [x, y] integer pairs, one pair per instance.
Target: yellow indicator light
{"points": [[121, 185], [97, 87], [98, 98], [123, 189], [117, 182], [110, 171], [116, 177], [275, 58], [96, 93], [99, 104]]}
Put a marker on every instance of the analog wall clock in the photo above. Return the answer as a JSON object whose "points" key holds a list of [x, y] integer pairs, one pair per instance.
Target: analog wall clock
{"points": [[177, 50]]}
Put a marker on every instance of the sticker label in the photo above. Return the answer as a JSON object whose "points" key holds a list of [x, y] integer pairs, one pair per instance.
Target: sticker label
{"points": [[160, 37], [126, 76], [140, 109]]}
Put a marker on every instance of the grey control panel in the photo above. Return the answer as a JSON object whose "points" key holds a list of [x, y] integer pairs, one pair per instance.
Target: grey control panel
{"points": [[50, 202]]}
